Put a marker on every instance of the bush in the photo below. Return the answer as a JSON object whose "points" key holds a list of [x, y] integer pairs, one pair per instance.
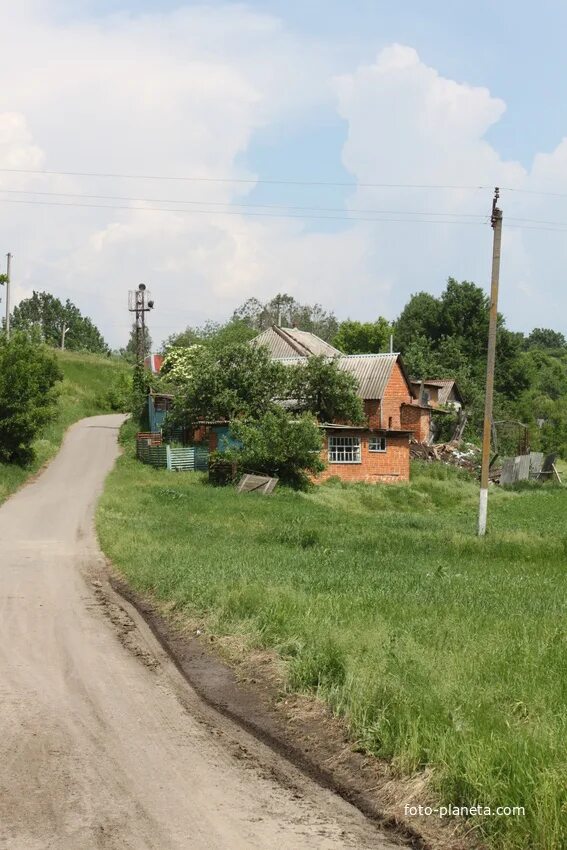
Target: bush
{"points": [[279, 444], [28, 378], [118, 395]]}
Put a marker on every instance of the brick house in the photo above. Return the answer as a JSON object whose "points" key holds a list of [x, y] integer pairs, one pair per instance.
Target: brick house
{"points": [[375, 452]]}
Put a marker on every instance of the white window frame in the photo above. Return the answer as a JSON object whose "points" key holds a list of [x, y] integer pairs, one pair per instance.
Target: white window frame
{"points": [[377, 439], [340, 447]]}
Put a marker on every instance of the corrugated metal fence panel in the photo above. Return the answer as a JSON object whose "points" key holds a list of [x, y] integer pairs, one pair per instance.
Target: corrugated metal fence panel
{"points": [[189, 459], [153, 455]]}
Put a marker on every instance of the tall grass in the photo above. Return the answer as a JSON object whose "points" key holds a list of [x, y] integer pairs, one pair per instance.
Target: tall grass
{"points": [[83, 393], [439, 649]]}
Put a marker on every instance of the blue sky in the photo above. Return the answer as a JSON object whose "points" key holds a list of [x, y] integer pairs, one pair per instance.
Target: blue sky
{"points": [[450, 93]]}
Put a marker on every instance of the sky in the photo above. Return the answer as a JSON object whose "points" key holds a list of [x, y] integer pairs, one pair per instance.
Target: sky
{"points": [[262, 147]]}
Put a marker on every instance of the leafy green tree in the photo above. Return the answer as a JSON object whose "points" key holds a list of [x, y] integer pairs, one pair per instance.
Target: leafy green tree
{"points": [[130, 353], [419, 318], [363, 337], [285, 310], [464, 313], [213, 334], [61, 324], [238, 381], [28, 395], [279, 444], [546, 338], [322, 388]]}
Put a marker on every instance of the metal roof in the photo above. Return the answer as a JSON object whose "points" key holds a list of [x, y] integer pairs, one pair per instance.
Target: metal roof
{"points": [[291, 342], [445, 391], [372, 372], [444, 385]]}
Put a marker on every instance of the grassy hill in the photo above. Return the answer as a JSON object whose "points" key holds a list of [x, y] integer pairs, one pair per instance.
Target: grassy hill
{"points": [[445, 653], [84, 392]]}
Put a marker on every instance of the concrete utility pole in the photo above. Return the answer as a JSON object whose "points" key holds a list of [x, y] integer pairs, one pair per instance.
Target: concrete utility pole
{"points": [[496, 221], [64, 330], [8, 271]]}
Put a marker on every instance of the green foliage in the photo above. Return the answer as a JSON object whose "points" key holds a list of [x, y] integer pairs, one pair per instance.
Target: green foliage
{"points": [[86, 378], [279, 444], [28, 395], [320, 387], [285, 310], [51, 317], [447, 337], [442, 652], [130, 352], [419, 318], [546, 338], [117, 395], [363, 337], [238, 381], [213, 334]]}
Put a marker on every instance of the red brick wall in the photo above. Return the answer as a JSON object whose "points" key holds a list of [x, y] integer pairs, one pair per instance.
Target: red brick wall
{"points": [[397, 392], [418, 420], [390, 466]]}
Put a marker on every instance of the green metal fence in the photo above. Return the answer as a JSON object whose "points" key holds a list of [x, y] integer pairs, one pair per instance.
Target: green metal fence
{"points": [[179, 458]]}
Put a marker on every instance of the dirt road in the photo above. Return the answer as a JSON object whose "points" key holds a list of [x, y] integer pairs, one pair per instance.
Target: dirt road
{"points": [[102, 744]]}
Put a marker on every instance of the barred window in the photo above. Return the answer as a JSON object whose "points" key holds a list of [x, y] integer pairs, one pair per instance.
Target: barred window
{"points": [[377, 444], [344, 449]]}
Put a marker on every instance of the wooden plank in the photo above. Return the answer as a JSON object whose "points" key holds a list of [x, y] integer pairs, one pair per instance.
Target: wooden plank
{"points": [[508, 471], [256, 484], [523, 466]]}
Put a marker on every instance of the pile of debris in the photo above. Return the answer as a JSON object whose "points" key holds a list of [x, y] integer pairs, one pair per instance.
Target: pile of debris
{"points": [[464, 456]]}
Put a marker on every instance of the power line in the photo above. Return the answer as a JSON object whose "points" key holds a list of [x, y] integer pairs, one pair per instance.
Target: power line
{"points": [[535, 192], [529, 224], [230, 204], [233, 212], [236, 204], [253, 181]]}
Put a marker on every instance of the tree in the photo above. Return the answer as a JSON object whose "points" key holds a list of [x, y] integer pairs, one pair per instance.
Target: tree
{"points": [[212, 334], [28, 378], [285, 310], [60, 325], [320, 387], [130, 353], [363, 337], [279, 444], [419, 318], [238, 381], [546, 338]]}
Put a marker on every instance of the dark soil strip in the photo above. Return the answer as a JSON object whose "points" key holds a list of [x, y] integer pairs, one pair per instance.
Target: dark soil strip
{"points": [[315, 742]]}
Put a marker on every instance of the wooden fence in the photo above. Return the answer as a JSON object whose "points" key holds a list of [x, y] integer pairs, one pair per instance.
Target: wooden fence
{"points": [[180, 458]]}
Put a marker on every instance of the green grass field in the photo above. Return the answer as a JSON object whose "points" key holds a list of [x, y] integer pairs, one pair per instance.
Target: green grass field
{"points": [[86, 380], [438, 648]]}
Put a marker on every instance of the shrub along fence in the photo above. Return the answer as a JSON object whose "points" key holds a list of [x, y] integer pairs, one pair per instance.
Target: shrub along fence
{"points": [[151, 450]]}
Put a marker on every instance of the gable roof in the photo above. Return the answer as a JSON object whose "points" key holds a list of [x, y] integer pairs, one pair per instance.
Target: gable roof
{"points": [[444, 385], [372, 372], [291, 342], [445, 391]]}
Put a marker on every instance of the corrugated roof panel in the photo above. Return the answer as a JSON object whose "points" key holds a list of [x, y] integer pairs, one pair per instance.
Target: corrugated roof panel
{"points": [[372, 372], [312, 342], [291, 342]]}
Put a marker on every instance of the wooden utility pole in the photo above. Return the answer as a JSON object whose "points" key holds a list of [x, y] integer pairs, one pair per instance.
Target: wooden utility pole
{"points": [[496, 221], [8, 271]]}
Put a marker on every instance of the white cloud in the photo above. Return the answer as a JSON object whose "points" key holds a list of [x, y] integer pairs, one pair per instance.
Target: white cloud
{"points": [[184, 93]]}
